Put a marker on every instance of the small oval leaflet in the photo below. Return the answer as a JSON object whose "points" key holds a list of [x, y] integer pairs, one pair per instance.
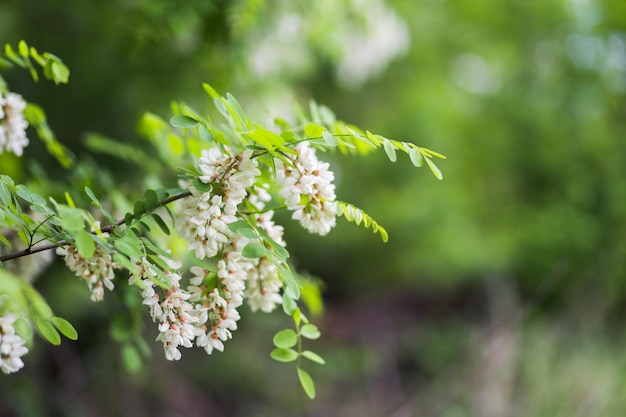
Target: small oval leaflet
{"points": [[65, 327], [183, 122], [307, 383], [85, 244], [131, 358], [313, 357], [254, 250], [390, 150], [284, 355], [285, 338], [310, 331], [434, 168], [48, 331]]}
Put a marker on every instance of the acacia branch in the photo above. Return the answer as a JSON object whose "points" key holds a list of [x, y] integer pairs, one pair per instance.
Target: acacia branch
{"points": [[106, 229]]}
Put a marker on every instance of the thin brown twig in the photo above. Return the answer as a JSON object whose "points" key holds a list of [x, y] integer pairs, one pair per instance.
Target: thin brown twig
{"points": [[108, 228]]}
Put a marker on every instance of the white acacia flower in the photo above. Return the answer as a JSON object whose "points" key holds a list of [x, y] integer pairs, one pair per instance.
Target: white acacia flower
{"points": [[12, 124], [97, 272], [217, 307], [263, 283], [308, 190], [172, 310], [263, 287], [206, 216], [11, 346]]}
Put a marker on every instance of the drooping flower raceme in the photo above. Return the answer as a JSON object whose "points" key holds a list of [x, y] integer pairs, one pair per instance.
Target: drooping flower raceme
{"points": [[206, 217], [11, 346], [263, 280], [12, 124], [176, 316], [219, 305], [308, 190], [96, 271]]}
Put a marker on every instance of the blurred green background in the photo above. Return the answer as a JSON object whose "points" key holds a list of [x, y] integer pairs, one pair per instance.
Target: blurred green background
{"points": [[502, 290]]}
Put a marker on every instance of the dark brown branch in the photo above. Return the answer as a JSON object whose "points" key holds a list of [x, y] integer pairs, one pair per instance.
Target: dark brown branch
{"points": [[108, 228]]}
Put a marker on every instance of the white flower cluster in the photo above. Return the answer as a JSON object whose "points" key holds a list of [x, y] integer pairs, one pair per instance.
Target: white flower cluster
{"points": [[207, 216], [219, 304], [199, 315], [177, 317], [308, 190], [264, 284], [97, 271], [12, 124], [206, 313], [11, 346]]}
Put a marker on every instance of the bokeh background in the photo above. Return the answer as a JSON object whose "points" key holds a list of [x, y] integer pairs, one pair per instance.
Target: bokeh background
{"points": [[502, 290]]}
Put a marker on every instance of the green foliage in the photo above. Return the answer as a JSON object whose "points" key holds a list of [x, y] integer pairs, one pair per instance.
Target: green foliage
{"points": [[358, 216], [285, 341], [94, 250], [53, 68]]}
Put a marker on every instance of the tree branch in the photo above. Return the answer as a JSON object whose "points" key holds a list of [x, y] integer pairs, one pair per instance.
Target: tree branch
{"points": [[108, 228]]}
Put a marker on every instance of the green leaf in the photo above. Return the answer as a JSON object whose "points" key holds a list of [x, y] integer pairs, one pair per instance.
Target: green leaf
{"points": [[289, 305], [139, 209], [210, 90], [285, 338], [5, 241], [254, 250], [131, 359], [39, 309], [85, 244], [22, 48], [329, 139], [243, 228], [236, 107], [154, 248], [60, 72], [92, 197], [130, 246], [390, 150], [358, 216], [434, 168], [118, 329], [239, 224], [5, 195], [307, 383], [292, 288], [48, 331], [125, 263], [310, 331], [284, 355], [297, 316], [375, 141], [72, 218], [361, 138], [206, 134], [416, 157], [428, 152], [152, 199], [266, 138], [247, 232], [201, 186], [279, 249], [312, 130], [65, 327], [183, 122], [161, 223], [314, 357]]}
